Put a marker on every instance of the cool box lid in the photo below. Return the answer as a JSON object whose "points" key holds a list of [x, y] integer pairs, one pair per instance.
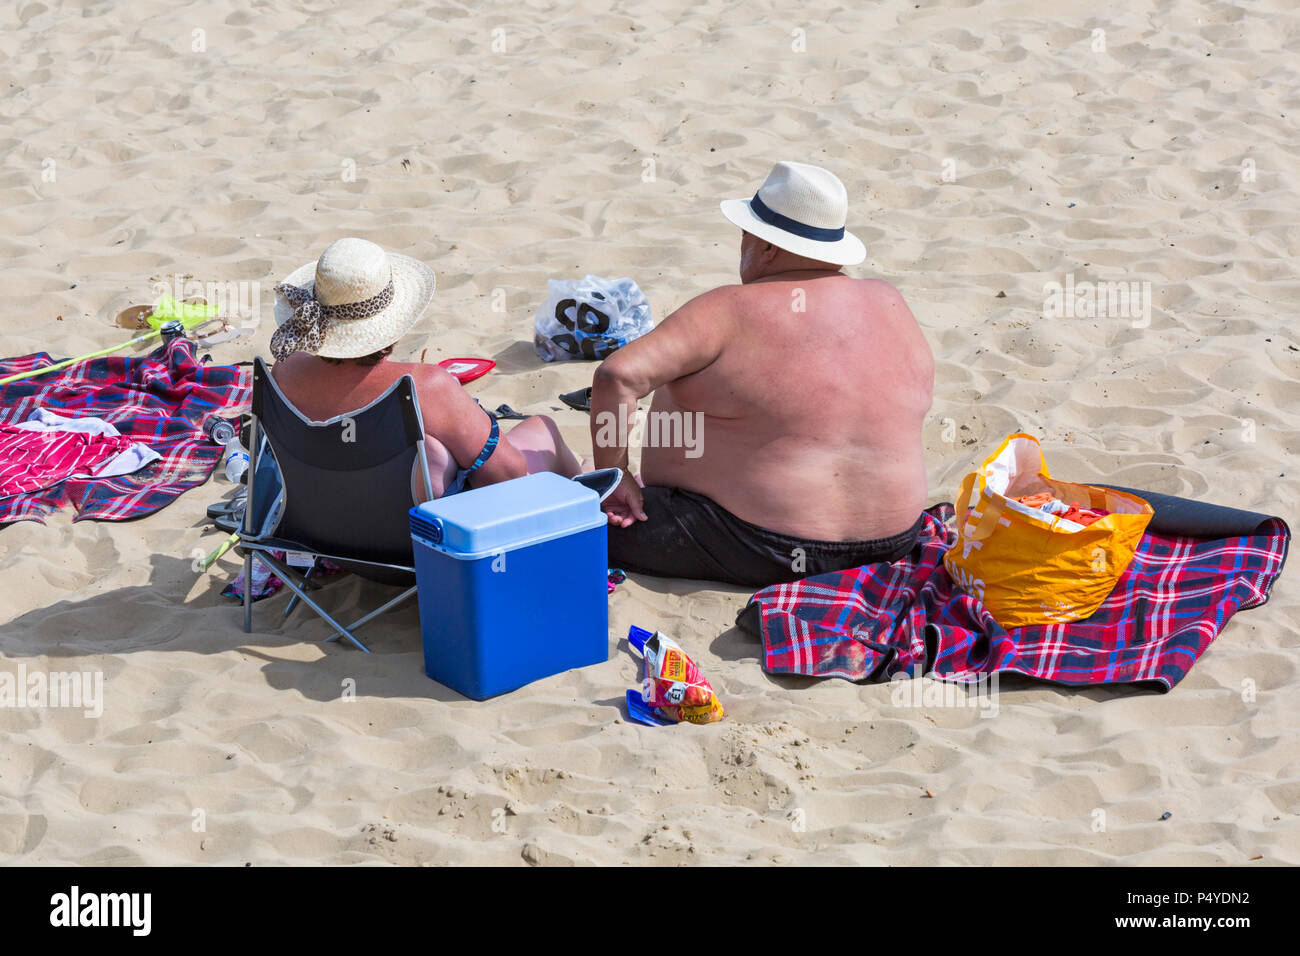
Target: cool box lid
{"points": [[505, 516]]}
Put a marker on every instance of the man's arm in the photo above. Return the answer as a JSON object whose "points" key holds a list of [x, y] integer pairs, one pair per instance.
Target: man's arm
{"points": [[688, 340]]}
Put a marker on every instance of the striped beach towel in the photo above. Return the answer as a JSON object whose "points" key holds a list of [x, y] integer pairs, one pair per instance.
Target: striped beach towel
{"points": [[160, 400], [32, 460], [873, 622]]}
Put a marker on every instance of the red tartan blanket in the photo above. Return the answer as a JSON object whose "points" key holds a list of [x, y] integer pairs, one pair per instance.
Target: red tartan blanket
{"points": [[161, 400], [879, 620]]}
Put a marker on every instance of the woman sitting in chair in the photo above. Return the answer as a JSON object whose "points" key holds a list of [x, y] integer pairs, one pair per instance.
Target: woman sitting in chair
{"points": [[339, 319]]}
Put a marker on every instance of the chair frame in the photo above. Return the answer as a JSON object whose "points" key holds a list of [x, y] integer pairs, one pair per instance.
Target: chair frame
{"points": [[254, 543]]}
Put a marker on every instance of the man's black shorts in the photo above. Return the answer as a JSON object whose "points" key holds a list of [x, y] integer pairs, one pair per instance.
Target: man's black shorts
{"points": [[691, 536]]}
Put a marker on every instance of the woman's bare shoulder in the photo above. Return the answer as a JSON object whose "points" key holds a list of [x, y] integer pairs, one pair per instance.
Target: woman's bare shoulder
{"points": [[433, 377]]}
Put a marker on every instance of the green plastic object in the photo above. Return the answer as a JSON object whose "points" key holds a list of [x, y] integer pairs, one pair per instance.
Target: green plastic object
{"points": [[188, 314]]}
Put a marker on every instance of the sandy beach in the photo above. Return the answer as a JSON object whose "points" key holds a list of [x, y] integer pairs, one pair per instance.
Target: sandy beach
{"points": [[988, 149]]}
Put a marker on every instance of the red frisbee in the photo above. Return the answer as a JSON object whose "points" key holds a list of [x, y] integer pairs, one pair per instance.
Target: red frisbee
{"points": [[467, 369]]}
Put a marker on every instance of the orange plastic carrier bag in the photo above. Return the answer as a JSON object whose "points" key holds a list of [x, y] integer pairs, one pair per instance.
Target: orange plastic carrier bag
{"points": [[1031, 567]]}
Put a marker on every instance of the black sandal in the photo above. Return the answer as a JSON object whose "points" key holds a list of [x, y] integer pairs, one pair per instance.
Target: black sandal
{"points": [[227, 507], [505, 411], [579, 400]]}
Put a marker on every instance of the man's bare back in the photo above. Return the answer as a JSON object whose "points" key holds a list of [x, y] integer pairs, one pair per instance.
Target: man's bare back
{"points": [[811, 419], [807, 390]]}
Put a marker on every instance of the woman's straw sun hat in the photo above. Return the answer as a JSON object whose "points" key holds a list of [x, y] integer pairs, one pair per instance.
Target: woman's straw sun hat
{"points": [[352, 301]]}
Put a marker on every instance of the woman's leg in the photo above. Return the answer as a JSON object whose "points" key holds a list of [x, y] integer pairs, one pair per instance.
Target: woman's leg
{"points": [[538, 439]]}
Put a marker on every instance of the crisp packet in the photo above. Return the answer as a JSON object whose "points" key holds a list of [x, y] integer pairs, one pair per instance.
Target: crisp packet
{"points": [[674, 690]]}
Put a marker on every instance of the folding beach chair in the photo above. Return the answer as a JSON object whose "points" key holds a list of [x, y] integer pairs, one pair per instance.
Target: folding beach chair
{"points": [[338, 489]]}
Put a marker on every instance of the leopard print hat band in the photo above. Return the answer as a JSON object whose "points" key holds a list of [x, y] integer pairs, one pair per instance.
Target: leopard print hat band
{"points": [[305, 332]]}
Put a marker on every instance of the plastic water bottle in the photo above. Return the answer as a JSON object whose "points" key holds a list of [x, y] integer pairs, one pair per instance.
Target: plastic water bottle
{"points": [[625, 293], [236, 458]]}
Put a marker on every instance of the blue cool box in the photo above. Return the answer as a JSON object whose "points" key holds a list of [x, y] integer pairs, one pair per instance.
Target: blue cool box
{"points": [[513, 583]]}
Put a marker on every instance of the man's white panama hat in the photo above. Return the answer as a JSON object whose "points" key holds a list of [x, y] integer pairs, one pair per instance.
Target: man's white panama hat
{"points": [[802, 209], [352, 301]]}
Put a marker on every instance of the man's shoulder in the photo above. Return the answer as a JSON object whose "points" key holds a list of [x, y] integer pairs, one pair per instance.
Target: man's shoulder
{"points": [[712, 306], [877, 296], [714, 298], [878, 289]]}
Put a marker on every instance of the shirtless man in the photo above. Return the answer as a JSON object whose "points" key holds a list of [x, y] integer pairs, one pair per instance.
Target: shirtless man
{"points": [[810, 387], [340, 318]]}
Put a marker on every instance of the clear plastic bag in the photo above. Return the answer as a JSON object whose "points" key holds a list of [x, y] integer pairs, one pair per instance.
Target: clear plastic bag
{"points": [[589, 318]]}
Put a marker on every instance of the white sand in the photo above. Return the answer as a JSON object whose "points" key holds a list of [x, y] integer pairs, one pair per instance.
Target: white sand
{"points": [[227, 164]]}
